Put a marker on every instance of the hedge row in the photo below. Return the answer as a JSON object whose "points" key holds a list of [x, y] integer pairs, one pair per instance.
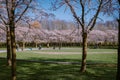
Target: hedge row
{"points": [[90, 45]]}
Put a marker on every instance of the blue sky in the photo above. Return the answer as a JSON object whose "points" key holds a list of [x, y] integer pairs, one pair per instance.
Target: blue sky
{"points": [[66, 15], [59, 13]]}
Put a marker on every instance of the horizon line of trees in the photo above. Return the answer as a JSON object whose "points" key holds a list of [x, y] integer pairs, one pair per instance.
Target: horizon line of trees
{"points": [[39, 35]]}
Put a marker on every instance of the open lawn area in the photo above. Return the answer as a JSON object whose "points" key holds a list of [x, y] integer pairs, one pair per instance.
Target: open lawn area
{"points": [[64, 64]]}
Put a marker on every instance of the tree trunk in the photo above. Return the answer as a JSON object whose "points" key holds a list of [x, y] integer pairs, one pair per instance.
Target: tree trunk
{"points": [[8, 47], [118, 63], [84, 53], [48, 45], [59, 44], [36, 45], [13, 48], [118, 60], [23, 45]]}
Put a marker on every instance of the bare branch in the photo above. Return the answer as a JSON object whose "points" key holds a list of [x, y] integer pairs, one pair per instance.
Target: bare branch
{"points": [[73, 12], [2, 27], [89, 10], [106, 2], [23, 11], [83, 11], [3, 19], [95, 16], [7, 8], [17, 3], [100, 18], [55, 7], [90, 22]]}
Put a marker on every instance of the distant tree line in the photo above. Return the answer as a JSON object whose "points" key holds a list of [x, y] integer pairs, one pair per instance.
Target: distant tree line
{"points": [[32, 35]]}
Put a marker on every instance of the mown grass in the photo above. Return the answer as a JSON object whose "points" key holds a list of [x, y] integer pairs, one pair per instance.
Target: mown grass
{"points": [[100, 56], [74, 49], [2, 48], [43, 71], [99, 66]]}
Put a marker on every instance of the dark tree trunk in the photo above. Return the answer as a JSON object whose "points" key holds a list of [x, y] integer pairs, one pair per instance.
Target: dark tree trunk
{"points": [[60, 45], [12, 35], [8, 47], [118, 63], [54, 45], [13, 49], [84, 53], [23, 45]]}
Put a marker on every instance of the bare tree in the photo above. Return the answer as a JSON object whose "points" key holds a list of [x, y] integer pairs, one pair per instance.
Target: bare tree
{"points": [[14, 10], [5, 27], [87, 18]]}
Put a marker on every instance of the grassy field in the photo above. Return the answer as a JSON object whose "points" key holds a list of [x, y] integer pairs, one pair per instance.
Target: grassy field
{"points": [[101, 65], [2, 48]]}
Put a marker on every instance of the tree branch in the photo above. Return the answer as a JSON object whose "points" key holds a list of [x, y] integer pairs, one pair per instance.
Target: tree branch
{"points": [[95, 16], [3, 28], [90, 10], [83, 11], [3, 19], [7, 8], [23, 11], [107, 1], [73, 12]]}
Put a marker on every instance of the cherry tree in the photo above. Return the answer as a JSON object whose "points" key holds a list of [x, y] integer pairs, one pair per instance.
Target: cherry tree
{"points": [[22, 34], [30, 34], [112, 35], [11, 12], [2, 36], [97, 36], [85, 8]]}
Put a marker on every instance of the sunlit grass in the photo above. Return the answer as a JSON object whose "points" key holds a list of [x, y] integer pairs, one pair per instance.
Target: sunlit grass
{"points": [[2, 48], [74, 49], [96, 55]]}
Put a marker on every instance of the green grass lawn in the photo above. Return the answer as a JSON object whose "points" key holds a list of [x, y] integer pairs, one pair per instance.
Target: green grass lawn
{"points": [[2, 48], [74, 49], [96, 55], [101, 66]]}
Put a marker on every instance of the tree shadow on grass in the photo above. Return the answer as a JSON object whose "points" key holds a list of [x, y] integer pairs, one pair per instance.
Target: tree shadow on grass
{"points": [[48, 71], [5, 72]]}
